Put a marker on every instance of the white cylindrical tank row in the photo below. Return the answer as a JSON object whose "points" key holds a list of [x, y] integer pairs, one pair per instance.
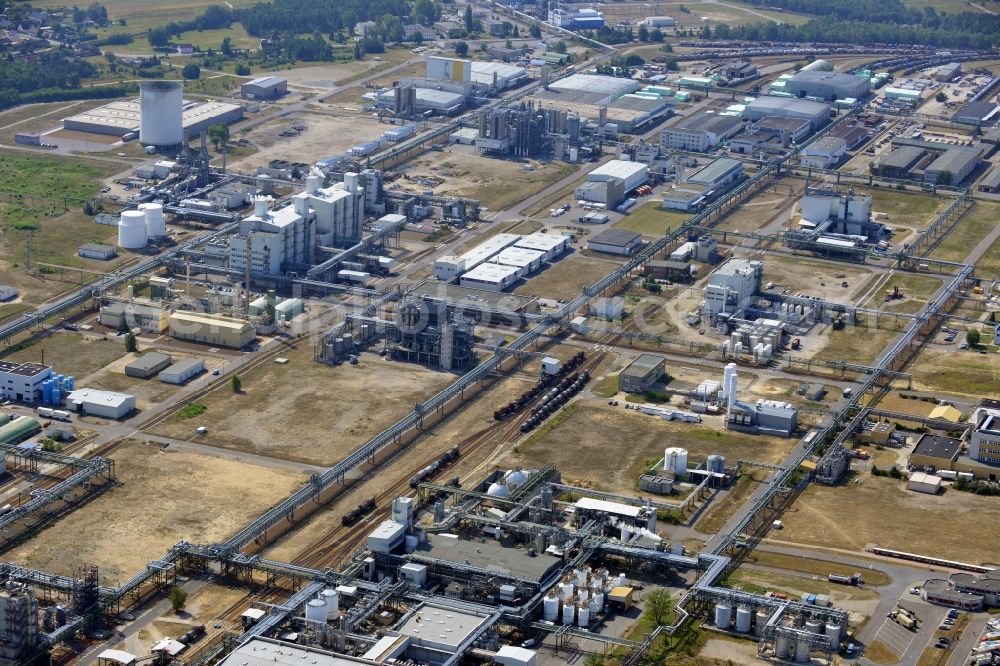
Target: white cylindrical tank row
{"points": [[723, 615], [802, 651], [583, 616], [316, 610], [568, 613], [156, 226], [550, 609], [132, 229], [161, 109], [332, 600]]}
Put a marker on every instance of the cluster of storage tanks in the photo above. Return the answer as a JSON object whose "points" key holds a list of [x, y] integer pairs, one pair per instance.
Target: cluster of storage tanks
{"points": [[580, 596], [137, 227], [325, 607], [761, 351], [785, 647], [56, 388]]}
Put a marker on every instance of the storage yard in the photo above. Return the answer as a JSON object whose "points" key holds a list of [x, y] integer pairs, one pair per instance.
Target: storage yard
{"points": [[204, 507]]}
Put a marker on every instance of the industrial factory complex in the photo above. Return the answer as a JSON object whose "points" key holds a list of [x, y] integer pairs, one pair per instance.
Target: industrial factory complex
{"points": [[533, 352]]}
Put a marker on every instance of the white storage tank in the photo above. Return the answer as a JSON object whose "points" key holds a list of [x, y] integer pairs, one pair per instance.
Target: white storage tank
{"points": [[332, 600], [781, 647], [716, 463], [316, 610], [762, 618], [621, 580], [156, 227], [161, 108], [568, 613], [833, 632], [814, 627], [550, 608], [675, 459], [723, 615], [583, 616], [132, 229], [565, 590], [743, 617], [802, 651]]}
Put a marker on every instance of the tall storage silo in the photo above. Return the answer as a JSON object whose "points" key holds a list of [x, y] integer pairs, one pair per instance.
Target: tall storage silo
{"points": [[132, 229], [161, 107], [156, 227]]}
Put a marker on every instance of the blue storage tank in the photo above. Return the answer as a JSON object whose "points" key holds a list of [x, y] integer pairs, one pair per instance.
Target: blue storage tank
{"points": [[60, 379], [56, 395], [69, 384], [47, 392]]}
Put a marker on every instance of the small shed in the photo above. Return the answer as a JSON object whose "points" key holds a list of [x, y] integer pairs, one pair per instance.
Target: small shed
{"points": [[924, 483]]}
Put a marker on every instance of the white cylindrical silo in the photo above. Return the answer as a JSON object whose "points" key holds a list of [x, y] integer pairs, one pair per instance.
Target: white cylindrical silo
{"points": [[313, 182], [583, 616], [316, 610], [733, 389], [156, 226], [568, 613], [332, 600], [802, 651], [814, 627], [833, 632], [550, 608], [743, 617], [781, 647], [161, 108], [723, 615], [729, 370], [621, 580], [566, 591], [132, 229], [598, 601]]}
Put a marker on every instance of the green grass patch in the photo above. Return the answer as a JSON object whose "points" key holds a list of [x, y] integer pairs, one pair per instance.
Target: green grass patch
{"points": [[988, 265], [978, 222], [191, 411], [904, 206], [651, 220], [606, 387]]}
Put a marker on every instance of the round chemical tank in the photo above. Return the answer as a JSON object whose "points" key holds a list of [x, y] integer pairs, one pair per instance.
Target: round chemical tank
{"points": [[818, 66], [161, 109], [132, 229], [833, 633], [565, 591], [156, 227], [675, 459], [814, 627], [498, 490], [316, 610], [594, 608], [621, 580], [568, 613], [598, 600], [716, 463], [762, 618], [781, 647], [332, 599], [723, 615], [583, 594], [743, 616], [580, 577], [516, 477], [550, 609], [583, 616], [802, 651]]}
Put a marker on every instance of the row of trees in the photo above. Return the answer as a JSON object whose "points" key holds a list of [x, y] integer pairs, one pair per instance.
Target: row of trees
{"points": [[215, 17], [327, 16]]}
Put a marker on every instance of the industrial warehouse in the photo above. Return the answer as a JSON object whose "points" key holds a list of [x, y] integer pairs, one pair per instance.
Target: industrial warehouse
{"points": [[341, 388]]}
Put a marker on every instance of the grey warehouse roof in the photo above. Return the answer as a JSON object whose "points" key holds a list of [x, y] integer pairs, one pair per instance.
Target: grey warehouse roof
{"points": [[954, 160], [992, 179], [813, 76], [780, 123], [714, 170], [707, 122], [616, 237], [148, 361], [488, 555], [769, 102], [936, 446], [902, 157]]}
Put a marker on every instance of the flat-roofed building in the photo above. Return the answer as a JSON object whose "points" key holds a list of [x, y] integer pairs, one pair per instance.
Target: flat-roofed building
{"points": [[266, 87], [525, 260], [853, 135], [22, 382], [991, 181], [182, 371], [107, 404], [642, 374], [953, 166], [615, 241], [817, 113], [550, 245], [147, 365], [211, 329], [789, 130], [123, 116], [700, 132], [823, 153], [127, 316], [827, 85], [935, 451], [900, 162], [100, 251], [490, 276]]}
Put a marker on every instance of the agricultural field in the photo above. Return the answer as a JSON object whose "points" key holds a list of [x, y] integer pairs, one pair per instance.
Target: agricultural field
{"points": [[852, 516], [279, 413], [179, 495], [140, 15], [590, 426]]}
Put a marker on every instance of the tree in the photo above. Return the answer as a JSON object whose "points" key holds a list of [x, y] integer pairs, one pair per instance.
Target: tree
{"points": [[535, 30], [643, 33], [941, 97], [461, 49], [218, 134], [425, 12], [227, 46], [468, 17], [158, 37], [178, 598], [593, 659], [658, 605], [236, 384], [972, 337], [242, 70], [560, 47], [191, 71], [130, 343], [112, 61]]}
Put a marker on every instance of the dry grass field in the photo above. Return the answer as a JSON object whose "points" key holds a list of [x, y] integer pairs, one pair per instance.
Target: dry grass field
{"points": [[163, 497], [71, 354], [565, 278], [881, 511], [307, 411]]}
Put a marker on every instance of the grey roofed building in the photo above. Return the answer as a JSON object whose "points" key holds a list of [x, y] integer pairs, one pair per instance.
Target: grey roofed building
{"points": [[817, 113], [956, 162], [854, 136], [147, 365], [902, 158], [991, 182], [708, 122], [978, 112], [490, 555], [936, 446], [616, 237], [712, 171]]}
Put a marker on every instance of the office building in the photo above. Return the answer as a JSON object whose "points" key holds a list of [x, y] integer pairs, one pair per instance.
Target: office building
{"points": [[22, 382]]}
